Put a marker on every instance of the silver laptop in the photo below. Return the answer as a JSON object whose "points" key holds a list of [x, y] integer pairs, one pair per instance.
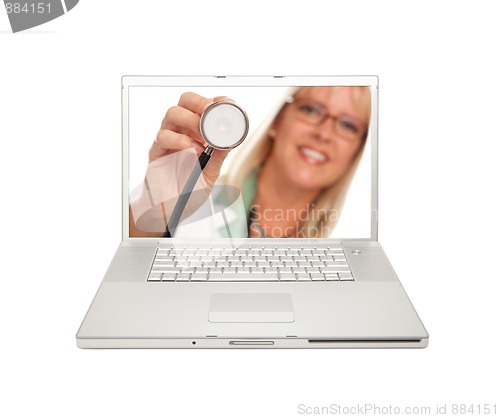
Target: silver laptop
{"points": [[268, 240]]}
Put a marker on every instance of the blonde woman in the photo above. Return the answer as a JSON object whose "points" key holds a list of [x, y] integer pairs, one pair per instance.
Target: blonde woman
{"points": [[294, 171]]}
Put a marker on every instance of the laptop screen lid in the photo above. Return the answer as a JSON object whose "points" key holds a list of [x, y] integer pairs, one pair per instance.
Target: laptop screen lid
{"points": [[310, 138]]}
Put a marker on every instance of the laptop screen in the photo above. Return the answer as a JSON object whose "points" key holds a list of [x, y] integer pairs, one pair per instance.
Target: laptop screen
{"points": [[304, 170]]}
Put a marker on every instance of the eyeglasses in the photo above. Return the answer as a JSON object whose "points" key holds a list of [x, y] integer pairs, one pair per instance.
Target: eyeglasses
{"points": [[314, 113]]}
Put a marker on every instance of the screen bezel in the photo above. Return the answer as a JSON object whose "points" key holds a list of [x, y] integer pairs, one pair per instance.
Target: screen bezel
{"points": [[242, 81]]}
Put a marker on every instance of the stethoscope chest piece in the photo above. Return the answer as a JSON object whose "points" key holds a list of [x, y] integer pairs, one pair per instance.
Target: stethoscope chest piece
{"points": [[224, 125]]}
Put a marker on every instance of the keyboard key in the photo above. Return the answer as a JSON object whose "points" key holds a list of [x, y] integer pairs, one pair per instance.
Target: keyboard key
{"points": [[164, 262], [163, 251], [271, 276], [287, 276], [330, 269], [155, 277], [345, 276], [165, 269], [183, 277], [333, 263], [317, 276], [199, 277]]}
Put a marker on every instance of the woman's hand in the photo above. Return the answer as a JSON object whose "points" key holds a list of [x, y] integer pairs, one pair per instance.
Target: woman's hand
{"points": [[180, 130]]}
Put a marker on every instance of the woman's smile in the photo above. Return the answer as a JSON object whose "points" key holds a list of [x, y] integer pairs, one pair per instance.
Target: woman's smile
{"points": [[312, 156]]}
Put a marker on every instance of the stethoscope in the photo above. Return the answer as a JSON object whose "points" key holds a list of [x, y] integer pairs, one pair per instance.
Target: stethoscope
{"points": [[224, 126]]}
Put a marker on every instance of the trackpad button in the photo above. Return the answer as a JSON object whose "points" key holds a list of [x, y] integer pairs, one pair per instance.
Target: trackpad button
{"points": [[251, 307]]}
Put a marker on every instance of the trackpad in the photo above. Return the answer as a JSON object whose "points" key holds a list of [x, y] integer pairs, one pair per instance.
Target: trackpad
{"points": [[251, 307]]}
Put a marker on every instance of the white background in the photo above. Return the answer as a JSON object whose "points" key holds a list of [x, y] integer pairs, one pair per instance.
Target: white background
{"points": [[60, 174]]}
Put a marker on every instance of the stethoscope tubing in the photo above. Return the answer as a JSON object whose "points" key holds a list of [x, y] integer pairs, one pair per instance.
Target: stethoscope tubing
{"points": [[179, 207]]}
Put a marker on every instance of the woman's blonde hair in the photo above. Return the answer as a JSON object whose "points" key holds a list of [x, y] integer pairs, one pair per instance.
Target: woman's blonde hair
{"points": [[249, 157]]}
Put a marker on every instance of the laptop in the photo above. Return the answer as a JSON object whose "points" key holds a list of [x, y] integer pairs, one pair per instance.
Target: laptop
{"points": [[276, 245]]}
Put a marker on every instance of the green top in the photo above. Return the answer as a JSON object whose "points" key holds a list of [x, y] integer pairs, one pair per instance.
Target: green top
{"points": [[238, 228]]}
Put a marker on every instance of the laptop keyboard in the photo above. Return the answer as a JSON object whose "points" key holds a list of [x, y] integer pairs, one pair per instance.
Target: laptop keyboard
{"points": [[250, 264]]}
